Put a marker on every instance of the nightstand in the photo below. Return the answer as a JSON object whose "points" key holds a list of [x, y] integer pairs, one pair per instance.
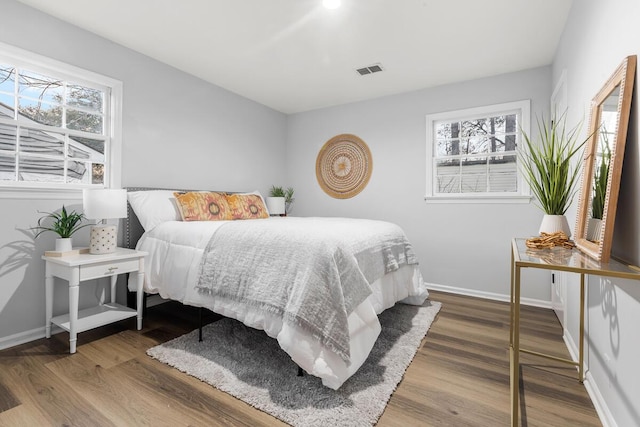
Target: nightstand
{"points": [[78, 268]]}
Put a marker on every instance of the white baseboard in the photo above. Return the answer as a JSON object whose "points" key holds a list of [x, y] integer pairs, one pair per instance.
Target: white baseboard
{"points": [[605, 415], [488, 295], [37, 333], [26, 336], [574, 351]]}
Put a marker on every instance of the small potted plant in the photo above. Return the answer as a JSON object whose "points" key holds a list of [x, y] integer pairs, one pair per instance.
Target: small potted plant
{"points": [[550, 170], [280, 200], [63, 223]]}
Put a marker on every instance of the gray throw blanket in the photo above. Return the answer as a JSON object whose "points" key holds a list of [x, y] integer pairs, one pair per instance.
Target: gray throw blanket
{"points": [[311, 271]]}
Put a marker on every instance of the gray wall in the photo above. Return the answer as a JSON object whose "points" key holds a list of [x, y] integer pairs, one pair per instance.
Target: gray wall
{"points": [[178, 131], [462, 247], [598, 36]]}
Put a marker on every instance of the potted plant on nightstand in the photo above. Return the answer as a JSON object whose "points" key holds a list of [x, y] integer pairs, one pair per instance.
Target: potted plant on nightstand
{"points": [[548, 169], [279, 200], [64, 224]]}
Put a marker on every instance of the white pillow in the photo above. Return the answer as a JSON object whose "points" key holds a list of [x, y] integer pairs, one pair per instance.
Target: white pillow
{"points": [[154, 207]]}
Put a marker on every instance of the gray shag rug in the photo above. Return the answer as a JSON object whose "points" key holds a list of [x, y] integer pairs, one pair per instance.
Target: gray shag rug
{"points": [[249, 365]]}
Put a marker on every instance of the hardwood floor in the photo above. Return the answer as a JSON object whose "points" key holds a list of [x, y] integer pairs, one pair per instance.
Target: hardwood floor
{"points": [[459, 377]]}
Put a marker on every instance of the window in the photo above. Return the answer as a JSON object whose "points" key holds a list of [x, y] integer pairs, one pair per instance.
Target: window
{"points": [[59, 125], [472, 154]]}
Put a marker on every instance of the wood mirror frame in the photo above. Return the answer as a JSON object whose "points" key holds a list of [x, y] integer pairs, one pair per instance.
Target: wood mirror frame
{"points": [[608, 127]]}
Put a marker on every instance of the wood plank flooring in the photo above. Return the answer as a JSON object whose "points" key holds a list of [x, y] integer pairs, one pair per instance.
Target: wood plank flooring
{"points": [[459, 377]]}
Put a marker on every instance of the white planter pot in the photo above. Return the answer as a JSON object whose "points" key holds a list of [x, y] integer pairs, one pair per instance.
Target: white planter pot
{"points": [[276, 205], [554, 223], [594, 227], [63, 244]]}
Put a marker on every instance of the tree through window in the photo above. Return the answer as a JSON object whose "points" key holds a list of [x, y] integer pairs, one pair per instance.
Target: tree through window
{"points": [[473, 152]]}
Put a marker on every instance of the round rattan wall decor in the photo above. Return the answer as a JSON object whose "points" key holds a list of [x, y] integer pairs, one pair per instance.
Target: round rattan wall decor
{"points": [[343, 166]]}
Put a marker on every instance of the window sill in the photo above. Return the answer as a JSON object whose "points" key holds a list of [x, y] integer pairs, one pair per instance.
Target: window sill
{"points": [[484, 198], [31, 193]]}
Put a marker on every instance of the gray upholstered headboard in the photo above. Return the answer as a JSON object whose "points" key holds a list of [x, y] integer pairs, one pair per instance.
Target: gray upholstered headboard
{"points": [[133, 230]]}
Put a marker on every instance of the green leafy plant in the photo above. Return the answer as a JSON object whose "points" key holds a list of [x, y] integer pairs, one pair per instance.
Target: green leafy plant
{"points": [[547, 164], [288, 196], [281, 192], [601, 176], [276, 191], [63, 223]]}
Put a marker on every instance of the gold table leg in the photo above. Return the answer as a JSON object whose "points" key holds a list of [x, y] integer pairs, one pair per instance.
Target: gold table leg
{"points": [[515, 346], [581, 350], [511, 300]]}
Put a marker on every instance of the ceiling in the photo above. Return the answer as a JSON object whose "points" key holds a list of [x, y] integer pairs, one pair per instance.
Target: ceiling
{"points": [[295, 55]]}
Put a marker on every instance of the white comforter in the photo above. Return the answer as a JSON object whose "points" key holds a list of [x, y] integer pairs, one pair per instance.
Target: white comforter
{"points": [[175, 251]]}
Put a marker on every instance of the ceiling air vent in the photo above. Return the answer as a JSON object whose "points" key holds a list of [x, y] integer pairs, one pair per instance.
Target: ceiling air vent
{"points": [[370, 69]]}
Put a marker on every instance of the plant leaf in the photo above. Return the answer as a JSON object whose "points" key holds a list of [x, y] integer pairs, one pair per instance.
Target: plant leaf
{"points": [[548, 163]]}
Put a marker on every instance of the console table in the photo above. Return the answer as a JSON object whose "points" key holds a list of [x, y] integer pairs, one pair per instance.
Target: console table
{"points": [[558, 259]]}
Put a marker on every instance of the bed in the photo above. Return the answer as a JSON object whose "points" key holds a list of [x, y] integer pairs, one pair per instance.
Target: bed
{"points": [[316, 285]]}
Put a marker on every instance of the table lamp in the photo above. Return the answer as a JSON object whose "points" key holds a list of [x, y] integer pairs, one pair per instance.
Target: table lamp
{"points": [[104, 204]]}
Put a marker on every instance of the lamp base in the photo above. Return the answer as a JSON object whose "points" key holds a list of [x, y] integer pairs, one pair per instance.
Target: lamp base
{"points": [[103, 239]]}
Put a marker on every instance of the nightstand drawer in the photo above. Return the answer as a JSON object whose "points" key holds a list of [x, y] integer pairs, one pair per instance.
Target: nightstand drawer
{"points": [[107, 268]]}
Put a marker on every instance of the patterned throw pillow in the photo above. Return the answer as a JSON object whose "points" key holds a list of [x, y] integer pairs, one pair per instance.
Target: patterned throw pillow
{"points": [[203, 206], [247, 206]]}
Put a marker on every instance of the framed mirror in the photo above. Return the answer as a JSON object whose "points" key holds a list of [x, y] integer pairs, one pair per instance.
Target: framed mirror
{"points": [[602, 165]]}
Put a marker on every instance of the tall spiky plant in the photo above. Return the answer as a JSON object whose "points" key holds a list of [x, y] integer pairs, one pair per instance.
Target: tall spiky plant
{"points": [[548, 164]]}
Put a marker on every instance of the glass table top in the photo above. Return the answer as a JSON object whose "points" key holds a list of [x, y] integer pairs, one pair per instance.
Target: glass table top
{"points": [[564, 259]]}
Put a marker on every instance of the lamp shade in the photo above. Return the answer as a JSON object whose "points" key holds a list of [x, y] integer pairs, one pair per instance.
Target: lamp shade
{"points": [[104, 203], [276, 205]]}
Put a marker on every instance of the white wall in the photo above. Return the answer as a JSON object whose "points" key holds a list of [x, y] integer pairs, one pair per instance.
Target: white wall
{"points": [[461, 246], [598, 36], [178, 131]]}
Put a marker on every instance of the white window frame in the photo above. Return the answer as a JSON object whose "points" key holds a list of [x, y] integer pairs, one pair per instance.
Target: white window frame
{"points": [[113, 149], [523, 195]]}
